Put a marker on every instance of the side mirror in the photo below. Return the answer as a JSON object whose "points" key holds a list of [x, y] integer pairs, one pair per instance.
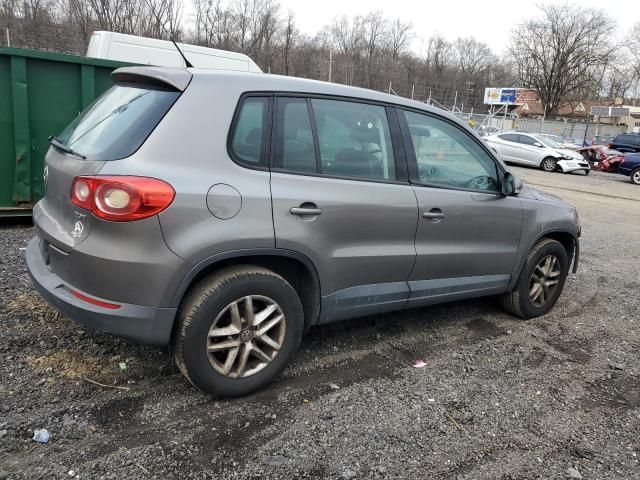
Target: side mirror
{"points": [[537, 144], [511, 185]]}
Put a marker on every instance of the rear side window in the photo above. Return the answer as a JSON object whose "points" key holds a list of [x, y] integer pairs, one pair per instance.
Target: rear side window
{"points": [[119, 121], [294, 137], [249, 133], [350, 139], [354, 139]]}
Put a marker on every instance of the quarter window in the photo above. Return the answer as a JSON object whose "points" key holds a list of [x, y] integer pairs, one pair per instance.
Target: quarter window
{"points": [[447, 156], [249, 133]]}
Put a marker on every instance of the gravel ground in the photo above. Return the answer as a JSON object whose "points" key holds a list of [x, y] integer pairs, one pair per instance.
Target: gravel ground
{"points": [[499, 398]]}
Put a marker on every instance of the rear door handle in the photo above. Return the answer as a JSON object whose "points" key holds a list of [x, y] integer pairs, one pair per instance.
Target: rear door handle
{"points": [[433, 214], [307, 209]]}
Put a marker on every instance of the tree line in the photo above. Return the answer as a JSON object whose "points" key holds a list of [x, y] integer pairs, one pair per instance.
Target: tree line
{"points": [[566, 52]]}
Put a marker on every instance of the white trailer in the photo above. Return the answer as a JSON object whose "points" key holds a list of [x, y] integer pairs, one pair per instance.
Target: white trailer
{"points": [[150, 51]]}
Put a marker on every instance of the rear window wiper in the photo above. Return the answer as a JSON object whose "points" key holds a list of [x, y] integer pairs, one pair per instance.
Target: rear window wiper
{"points": [[56, 142]]}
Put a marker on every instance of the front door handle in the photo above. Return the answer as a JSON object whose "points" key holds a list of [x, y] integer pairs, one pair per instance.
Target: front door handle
{"points": [[433, 214], [306, 209]]}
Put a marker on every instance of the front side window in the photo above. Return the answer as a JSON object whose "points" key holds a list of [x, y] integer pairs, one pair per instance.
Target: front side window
{"points": [[447, 156], [249, 132], [527, 140]]}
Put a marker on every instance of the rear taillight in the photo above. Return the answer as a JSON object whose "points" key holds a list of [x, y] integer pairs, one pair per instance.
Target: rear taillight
{"points": [[121, 198], [610, 146]]}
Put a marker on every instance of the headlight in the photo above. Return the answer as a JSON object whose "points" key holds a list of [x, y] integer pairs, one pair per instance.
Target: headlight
{"points": [[567, 157]]}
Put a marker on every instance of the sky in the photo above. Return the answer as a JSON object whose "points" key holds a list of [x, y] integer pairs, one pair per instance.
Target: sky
{"points": [[488, 21]]}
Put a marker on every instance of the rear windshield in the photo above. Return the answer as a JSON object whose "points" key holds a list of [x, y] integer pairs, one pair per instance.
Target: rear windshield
{"points": [[119, 121]]}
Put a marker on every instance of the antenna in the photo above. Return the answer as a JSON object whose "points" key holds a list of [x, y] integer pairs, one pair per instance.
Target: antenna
{"points": [[186, 62]]}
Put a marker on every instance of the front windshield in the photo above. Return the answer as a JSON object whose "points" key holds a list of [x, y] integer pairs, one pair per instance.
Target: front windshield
{"points": [[118, 122], [547, 142]]}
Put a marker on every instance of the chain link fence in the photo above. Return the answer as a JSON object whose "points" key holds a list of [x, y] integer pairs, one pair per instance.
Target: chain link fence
{"points": [[46, 36], [571, 132]]}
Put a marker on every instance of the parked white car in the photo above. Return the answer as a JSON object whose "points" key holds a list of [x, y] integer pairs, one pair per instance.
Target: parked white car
{"points": [[537, 151]]}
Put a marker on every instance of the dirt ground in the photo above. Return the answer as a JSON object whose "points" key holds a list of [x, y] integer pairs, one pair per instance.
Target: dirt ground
{"points": [[499, 398]]}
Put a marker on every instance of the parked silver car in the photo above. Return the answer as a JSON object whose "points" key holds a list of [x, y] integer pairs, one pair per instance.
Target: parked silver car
{"points": [[226, 213], [537, 151]]}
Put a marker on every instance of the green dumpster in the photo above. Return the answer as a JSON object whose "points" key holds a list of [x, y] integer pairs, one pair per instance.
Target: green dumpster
{"points": [[40, 93]]}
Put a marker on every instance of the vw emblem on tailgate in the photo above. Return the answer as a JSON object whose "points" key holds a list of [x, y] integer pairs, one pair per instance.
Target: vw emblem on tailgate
{"points": [[77, 229]]}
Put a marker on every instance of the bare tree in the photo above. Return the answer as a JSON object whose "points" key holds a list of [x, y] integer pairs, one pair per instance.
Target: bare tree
{"points": [[399, 38], [289, 39], [472, 56], [563, 52]]}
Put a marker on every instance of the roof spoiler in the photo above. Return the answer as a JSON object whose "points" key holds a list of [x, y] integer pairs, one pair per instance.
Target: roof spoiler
{"points": [[177, 78]]}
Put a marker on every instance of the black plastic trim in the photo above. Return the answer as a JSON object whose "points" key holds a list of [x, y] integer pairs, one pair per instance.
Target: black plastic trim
{"points": [[249, 252], [523, 260]]}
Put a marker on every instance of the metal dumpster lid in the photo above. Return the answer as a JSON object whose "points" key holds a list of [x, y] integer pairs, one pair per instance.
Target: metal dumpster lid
{"points": [[177, 78]]}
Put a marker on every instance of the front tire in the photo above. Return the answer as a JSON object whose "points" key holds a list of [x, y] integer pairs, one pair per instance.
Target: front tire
{"points": [[549, 164], [635, 176], [238, 329], [541, 281]]}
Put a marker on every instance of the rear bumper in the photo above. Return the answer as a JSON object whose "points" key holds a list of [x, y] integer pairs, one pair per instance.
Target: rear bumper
{"points": [[142, 324]]}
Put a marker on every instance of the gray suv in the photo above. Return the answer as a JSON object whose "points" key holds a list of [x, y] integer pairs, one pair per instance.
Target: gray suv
{"points": [[224, 214]]}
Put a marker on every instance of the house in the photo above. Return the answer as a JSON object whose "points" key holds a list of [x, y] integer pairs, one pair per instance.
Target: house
{"points": [[581, 111]]}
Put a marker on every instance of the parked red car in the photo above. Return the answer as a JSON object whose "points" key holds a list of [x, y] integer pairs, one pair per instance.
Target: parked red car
{"points": [[602, 158]]}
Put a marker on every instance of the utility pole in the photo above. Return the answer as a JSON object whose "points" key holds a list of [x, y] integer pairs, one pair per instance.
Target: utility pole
{"points": [[455, 100], [413, 89], [330, 63], [8, 37]]}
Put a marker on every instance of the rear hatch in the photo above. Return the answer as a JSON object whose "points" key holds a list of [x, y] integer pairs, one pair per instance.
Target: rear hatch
{"points": [[111, 128]]}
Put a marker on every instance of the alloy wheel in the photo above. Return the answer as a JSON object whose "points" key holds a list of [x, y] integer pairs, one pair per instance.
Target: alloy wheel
{"points": [[246, 336], [549, 164], [544, 280], [635, 177]]}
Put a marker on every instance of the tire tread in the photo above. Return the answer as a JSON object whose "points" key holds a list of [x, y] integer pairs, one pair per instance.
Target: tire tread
{"points": [[510, 301], [198, 295]]}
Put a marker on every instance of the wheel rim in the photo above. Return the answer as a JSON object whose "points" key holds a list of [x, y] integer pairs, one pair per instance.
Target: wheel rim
{"points": [[246, 336], [544, 280], [636, 177], [549, 164]]}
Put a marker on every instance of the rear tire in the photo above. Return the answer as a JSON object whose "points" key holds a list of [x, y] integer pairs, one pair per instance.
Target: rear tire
{"points": [[540, 282], [229, 341], [549, 164], [635, 176]]}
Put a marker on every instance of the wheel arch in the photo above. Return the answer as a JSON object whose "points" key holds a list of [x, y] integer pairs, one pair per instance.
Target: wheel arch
{"points": [[294, 267], [569, 241]]}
